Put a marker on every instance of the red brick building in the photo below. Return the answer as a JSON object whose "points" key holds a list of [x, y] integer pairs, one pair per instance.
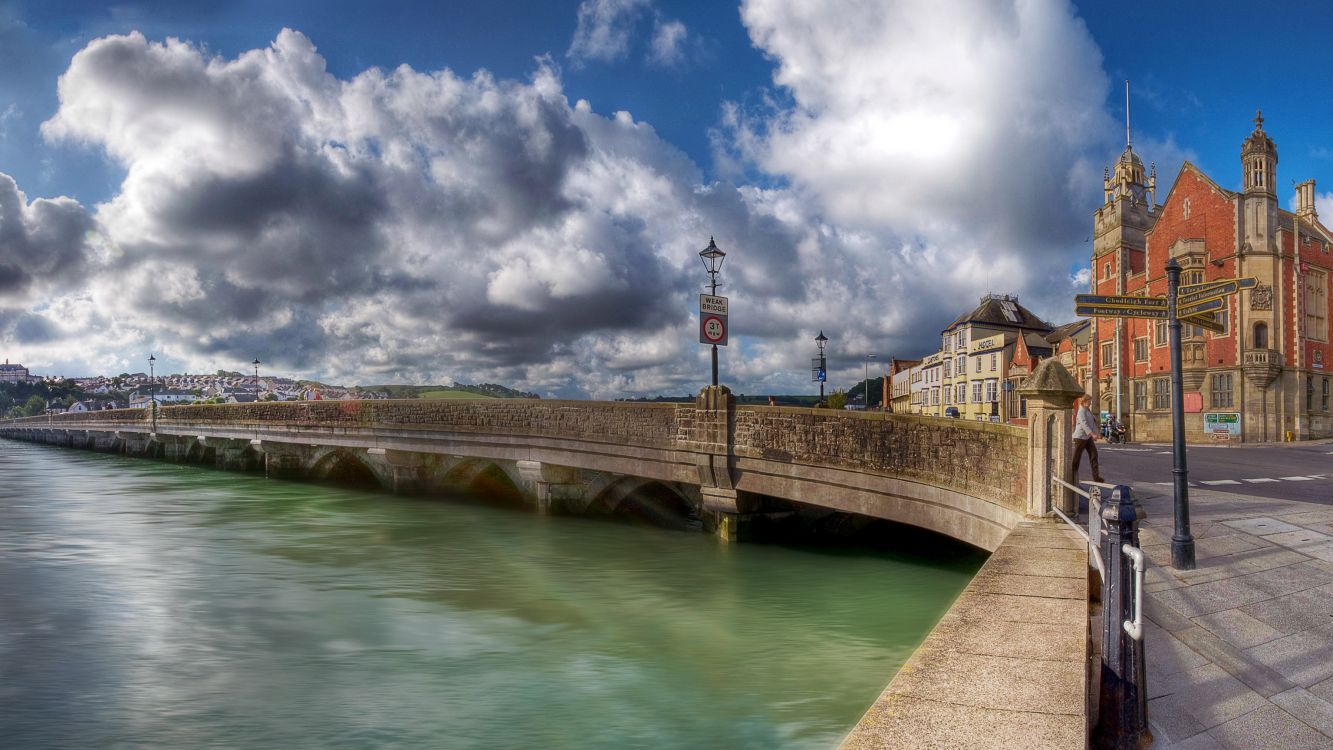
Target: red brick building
{"points": [[1270, 366]]}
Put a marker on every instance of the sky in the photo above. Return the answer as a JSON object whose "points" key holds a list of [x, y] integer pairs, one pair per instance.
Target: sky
{"points": [[517, 192]]}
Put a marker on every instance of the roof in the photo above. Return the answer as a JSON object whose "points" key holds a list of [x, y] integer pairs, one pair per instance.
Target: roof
{"points": [[1066, 331], [1001, 310], [1037, 344]]}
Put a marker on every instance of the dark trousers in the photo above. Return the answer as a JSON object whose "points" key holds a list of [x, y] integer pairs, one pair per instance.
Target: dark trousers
{"points": [[1089, 445]]}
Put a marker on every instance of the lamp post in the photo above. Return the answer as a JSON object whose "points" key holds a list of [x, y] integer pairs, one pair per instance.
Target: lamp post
{"points": [[821, 366], [1182, 541], [152, 389], [712, 259], [256, 364], [867, 393]]}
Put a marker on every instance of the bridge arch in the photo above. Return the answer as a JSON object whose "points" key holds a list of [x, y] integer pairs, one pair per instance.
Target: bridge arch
{"points": [[345, 466], [494, 481], [647, 500]]}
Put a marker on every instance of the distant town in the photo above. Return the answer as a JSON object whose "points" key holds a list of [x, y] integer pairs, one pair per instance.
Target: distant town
{"points": [[25, 394]]}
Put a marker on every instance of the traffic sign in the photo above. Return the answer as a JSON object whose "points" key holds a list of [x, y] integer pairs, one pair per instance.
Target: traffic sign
{"points": [[713, 330], [1184, 311], [1111, 311], [1111, 300], [709, 304], [1206, 321]]}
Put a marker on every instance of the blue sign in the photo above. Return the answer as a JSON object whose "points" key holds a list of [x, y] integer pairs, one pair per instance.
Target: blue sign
{"points": [[820, 375]]}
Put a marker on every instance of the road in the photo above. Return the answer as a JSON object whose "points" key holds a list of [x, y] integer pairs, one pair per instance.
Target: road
{"points": [[1293, 471]]}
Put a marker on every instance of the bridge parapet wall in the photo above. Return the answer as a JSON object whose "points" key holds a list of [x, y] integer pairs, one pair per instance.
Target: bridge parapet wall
{"points": [[980, 459]]}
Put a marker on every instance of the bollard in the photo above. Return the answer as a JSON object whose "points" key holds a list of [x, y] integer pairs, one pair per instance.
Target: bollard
{"points": [[1122, 722]]}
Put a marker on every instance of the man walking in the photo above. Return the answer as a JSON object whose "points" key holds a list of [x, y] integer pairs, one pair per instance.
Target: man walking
{"points": [[1086, 430]]}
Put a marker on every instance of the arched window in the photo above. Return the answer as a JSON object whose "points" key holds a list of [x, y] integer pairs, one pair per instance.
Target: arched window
{"points": [[1187, 208], [1261, 335]]}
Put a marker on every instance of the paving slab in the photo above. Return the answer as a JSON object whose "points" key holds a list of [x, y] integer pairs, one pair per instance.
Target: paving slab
{"points": [[1240, 650], [1268, 728]]}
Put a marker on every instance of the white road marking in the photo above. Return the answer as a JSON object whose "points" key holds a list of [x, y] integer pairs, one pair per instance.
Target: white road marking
{"points": [[1219, 481], [1166, 453], [1257, 481], [1166, 484], [1298, 479]]}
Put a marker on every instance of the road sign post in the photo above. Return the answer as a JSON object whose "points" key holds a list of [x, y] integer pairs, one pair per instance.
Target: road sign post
{"points": [[1182, 541], [713, 324]]}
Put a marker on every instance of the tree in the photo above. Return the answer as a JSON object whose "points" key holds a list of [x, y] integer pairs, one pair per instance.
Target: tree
{"points": [[34, 406], [837, 399]]}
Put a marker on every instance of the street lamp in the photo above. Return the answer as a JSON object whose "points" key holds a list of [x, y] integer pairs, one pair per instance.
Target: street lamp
{"points": [[867, 394], [256, 364], [821, 365], [152, 389], [712, 259]]}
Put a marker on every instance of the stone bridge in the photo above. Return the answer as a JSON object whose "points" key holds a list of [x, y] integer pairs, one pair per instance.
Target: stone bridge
{"points": [[732, 464]]}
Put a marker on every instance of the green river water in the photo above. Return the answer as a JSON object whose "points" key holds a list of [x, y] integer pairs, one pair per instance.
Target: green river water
{"points": [[145, 604]]}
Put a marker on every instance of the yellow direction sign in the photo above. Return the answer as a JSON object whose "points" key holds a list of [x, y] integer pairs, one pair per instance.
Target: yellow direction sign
{"points": [[1114, 311], [1206, 321], [1246, 282], [1117, 300], [1189, 295], [1208, 305]]}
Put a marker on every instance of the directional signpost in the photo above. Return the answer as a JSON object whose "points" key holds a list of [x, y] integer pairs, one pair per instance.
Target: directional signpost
{"points": [[1190, 304]]}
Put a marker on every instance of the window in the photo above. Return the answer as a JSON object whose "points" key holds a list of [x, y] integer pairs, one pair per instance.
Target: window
{"points": [[934, 396], [1022, 407], [948, 395], [1187, 208], [962, 393], [1159, 332], [948, 342], [1325, 403], [1221, 390], [1108, 354], [948, 368], [992, 388], [962, 339], [976, 391], [1260, 335], [1316, 305], [1309, 394], [994, 361], [1141, 349], [962, 365], [1106, 270], [1140, 395], [1161, 393]]}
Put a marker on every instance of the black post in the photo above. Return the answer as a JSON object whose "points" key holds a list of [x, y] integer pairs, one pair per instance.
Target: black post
{"points": [[823, 367], [715, 362], [1122, 719], [1182, 541]]}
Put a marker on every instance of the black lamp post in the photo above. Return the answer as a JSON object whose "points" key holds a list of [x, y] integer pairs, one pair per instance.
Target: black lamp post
{"points": [[152, 389], [1182, 541], [712, 258], [256, 364], [821, 365]]}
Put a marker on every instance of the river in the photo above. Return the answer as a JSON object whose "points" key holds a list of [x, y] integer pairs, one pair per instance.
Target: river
{"points": [[146, 604]]}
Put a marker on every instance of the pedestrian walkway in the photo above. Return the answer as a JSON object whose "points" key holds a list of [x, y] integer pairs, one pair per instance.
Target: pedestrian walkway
{"points": [[1240, 650]]}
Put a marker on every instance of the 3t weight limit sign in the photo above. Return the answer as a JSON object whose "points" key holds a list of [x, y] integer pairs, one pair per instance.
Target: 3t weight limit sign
{"points": [[713, 329]]}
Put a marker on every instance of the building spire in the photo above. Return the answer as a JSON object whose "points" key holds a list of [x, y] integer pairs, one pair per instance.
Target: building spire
{"points": [[1258, 119], [1128, 141]]}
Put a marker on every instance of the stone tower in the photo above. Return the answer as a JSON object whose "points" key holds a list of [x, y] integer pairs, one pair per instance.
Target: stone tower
{"points": [[1258, 159], [1119, 246]]}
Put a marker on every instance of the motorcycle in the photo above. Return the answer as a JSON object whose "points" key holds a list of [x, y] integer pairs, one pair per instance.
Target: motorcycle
{"points": [[1115, 434]]}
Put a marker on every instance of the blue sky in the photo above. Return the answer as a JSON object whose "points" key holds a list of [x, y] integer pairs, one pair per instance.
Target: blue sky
{"points": [[871, 167]]}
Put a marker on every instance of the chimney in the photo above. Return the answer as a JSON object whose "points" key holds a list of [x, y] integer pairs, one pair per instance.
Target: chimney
{"points": [[1305, 201]]}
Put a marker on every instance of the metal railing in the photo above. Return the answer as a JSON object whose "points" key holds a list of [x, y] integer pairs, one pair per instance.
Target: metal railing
{"points": [[1087, 537]]}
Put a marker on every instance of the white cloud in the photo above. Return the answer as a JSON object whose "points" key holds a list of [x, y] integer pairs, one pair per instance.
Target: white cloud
{"points": [[422, 225], [604, 29], [1323, 204], [668, 44]]}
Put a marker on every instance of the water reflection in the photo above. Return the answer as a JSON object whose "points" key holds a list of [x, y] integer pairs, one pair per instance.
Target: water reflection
{"points": [[147, 604]]}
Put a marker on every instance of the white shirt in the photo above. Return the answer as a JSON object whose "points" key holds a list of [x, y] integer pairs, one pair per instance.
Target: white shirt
{"points": [[1085, 425]]}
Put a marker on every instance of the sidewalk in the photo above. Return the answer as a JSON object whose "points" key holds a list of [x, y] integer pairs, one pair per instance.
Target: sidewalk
{"points": [[1240, 650]]}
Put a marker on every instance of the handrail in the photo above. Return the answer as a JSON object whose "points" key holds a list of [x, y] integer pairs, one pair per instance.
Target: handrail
{"points": [[1096, 555], [1072, 487], [1135, 627]]}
